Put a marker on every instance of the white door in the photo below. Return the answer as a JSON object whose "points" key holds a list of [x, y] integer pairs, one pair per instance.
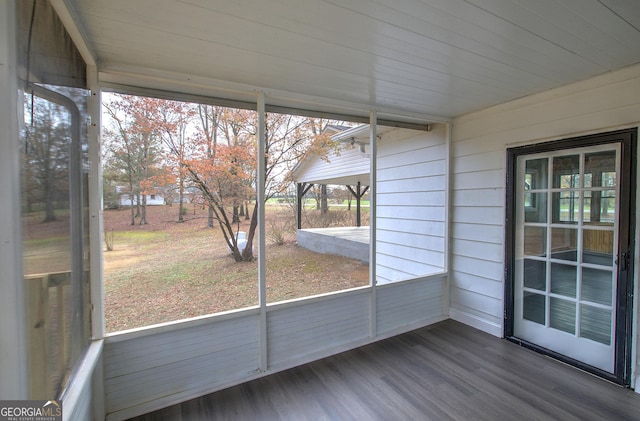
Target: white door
{"points": [[565, 252]]}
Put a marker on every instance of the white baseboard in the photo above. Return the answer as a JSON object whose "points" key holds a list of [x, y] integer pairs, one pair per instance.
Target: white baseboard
{"points": [[476, 322]]}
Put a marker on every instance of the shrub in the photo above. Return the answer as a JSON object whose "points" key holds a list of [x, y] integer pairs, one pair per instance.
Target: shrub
{"points": [[280, 227], [109, 237]]}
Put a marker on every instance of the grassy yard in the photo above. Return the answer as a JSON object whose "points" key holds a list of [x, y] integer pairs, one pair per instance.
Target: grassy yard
{"points": [[166, 271]]}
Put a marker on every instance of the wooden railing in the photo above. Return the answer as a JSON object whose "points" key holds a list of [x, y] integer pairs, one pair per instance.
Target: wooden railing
{"points": [[48, 300]]}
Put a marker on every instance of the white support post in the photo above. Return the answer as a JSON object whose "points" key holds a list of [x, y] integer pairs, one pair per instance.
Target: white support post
{"points": [[635, 336], [14, 382], [260, 202], [447, 220], [96, 227], [373, 165]]}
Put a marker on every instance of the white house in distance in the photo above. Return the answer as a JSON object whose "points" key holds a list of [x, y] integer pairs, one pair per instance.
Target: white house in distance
{"points": [[150, 199], [519, 203]]}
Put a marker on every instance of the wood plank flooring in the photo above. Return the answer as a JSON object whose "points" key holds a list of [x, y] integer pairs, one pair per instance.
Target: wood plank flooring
{"points": [[447, 371]]}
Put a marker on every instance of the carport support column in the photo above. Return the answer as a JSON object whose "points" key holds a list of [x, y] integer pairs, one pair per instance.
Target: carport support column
{"points": [[373, 311], [299, 188], [358, 198], [262, 274], [302, 189], [358, 194]]}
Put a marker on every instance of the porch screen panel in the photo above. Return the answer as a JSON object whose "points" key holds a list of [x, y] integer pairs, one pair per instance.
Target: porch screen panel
{"points": [[52, 77]]}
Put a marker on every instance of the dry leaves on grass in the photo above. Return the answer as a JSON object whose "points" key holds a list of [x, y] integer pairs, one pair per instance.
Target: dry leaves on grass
{"points": [[166, 271]]}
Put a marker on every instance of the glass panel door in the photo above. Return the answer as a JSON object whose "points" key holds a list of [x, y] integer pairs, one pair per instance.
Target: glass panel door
{"points": [[565, 235]]}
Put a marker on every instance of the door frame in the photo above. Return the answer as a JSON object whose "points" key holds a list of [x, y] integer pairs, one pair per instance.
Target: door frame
{"points": [[624, 297]]}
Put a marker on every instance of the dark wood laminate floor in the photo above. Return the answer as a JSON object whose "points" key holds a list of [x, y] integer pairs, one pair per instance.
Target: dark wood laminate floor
{"points": [[447, 371]]}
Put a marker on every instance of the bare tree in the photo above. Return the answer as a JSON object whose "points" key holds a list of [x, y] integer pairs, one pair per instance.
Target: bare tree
{"points": [[133, 147]]}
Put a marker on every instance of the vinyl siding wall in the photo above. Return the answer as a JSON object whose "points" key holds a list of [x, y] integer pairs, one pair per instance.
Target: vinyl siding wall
{"points": [[411, 204], [346, 162], [478, 160]]}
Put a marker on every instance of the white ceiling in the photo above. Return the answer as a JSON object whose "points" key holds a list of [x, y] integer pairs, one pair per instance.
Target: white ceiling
{"points": [[438, 58]]}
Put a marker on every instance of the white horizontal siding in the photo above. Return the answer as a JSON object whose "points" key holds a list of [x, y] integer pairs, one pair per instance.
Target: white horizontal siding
{"points": [[469, 282], [417, 198], [484, 305], [409, 256], [423, 226], [478, 162], [414, 212], [347, 161], [421, 304], [310, 328], [410, 204], [428, 183], [479, 214], [482, 268], [156, 370], [409, 239], [475, 197], [490, 234], [394, 154], [483, 179], [408, 170], [478, 249], [390, 274]]}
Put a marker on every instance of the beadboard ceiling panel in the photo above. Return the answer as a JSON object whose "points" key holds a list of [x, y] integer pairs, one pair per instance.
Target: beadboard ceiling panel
{"points": [[439, 58]]}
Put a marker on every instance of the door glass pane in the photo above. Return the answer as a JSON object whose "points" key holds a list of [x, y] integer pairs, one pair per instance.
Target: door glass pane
{"points": [[535, 241], [566, 172], [564, 243], [536, 174], [533, 307], [566, 207], [595, 324], [563, 279], [562, 315], [528, 181], [600, 169], [596, 286], [535, 274], [535, 207], [597, 247], [600, 207]]}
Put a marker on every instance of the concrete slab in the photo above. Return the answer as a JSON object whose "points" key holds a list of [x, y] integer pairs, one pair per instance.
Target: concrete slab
{"points": [[352, 242]]}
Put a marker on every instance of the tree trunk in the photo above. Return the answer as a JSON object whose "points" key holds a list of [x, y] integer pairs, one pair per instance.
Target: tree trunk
{"points": [[137, 205], [180, 199], [48, 203], [324, 205], [236, 216], [210, 218], [131, 198], [247, 254], [143, 210]]}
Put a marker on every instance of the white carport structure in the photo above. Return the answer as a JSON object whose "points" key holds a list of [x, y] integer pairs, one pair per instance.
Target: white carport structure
{"points": [[347, 165], [489, 75]]}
